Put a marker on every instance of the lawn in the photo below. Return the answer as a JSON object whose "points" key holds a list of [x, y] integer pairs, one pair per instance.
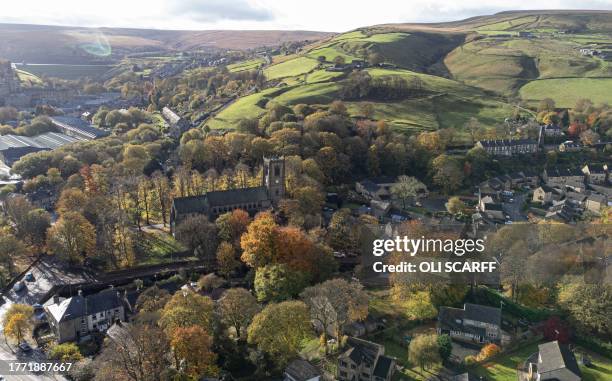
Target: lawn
{"points": [[504, 368], [566, 92], [291, 68], [156, 246], [601, 370]]}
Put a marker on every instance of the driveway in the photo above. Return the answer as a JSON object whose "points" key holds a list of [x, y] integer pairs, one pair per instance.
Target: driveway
{"points": [[462, 350]]}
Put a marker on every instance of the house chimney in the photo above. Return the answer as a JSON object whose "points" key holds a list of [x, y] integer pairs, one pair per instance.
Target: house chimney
{"points": [[80, 292], [56, 299]]}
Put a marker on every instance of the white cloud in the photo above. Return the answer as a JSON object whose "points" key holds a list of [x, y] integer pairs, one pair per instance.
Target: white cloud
{"points": [[326, 15]]}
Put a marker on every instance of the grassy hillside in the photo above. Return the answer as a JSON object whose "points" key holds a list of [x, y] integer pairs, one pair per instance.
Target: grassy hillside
{"points": [[469, 68], [566, 91]]}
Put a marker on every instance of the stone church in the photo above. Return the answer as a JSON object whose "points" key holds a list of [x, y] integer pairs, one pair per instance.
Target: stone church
{"points": [[252, 200]]}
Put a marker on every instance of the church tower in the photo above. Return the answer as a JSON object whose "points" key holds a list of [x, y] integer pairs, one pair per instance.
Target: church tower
{"points": [[274, 178]]}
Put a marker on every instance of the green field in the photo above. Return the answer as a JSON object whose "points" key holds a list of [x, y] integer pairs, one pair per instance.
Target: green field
{"points": [[461, 75], [566, 92], [253, 64], [245, 107], [291, 68], [505, 65]]}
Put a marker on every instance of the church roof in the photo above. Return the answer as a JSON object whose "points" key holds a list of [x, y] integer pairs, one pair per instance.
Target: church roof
{"points": [[237, 196], [201, 204]]}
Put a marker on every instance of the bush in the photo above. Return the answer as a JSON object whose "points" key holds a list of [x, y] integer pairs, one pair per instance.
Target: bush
{"points": [[596, 345], [470, 360], [67, 352], [488, 351], [486, 296]]}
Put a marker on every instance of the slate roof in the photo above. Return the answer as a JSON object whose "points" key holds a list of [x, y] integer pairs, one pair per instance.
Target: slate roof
{"points": [[361, 351], [170, 115], [477, 312], [383, 367], [202, 203], [564, 172], [79, 306], [453, 318], [237, 196], [555, 358], [506, 142], [78, 125], [301, 370]]}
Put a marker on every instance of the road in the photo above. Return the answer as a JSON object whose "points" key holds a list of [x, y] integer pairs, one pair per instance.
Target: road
{"points": [[7, 355], [515, 209]]}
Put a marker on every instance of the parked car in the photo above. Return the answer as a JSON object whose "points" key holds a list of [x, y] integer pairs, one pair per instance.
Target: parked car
{"points": [[19, 286], [25, 347]]}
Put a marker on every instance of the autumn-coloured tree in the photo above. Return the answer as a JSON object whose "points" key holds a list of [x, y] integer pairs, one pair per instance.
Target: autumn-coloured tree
{"points": [[186, 309], [576, 128], [556, 329], [199, 235], [11, 249], [258, 243], [447, 173], [407, 188], [295, 249], [335, 303], [237, 308], [72, 238], [227, 262], [455, 205], [17, 326], [488, 351], [232, 225], [138, 353], [152, 299], [192, 348], [277, 282], [279, 330], [423, 351]]}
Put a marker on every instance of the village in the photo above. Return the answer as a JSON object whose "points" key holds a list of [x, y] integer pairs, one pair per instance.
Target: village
{"points": [[133, 229]]}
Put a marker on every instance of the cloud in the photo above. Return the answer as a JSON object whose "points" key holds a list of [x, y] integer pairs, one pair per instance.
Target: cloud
{"points": [[216, 10]]}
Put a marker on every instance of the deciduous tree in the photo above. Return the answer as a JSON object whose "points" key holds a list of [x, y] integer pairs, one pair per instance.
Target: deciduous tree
{"points": [[279, 330], [192, 347], [237, 308], [424, 351], [72, 238]]}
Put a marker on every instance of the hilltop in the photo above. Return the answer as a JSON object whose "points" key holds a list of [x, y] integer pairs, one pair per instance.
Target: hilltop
{"points": [[483, 67], [78, 45]]}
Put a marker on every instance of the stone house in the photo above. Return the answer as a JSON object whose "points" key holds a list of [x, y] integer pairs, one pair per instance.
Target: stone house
{"points": [[554, 362], [508, 147], [75, 318], [364, 361], [376, 188], [473, 323], [596, 174]]}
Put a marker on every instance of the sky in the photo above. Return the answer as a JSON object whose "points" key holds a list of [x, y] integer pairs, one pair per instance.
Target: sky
{"points": [[319, 15]]}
